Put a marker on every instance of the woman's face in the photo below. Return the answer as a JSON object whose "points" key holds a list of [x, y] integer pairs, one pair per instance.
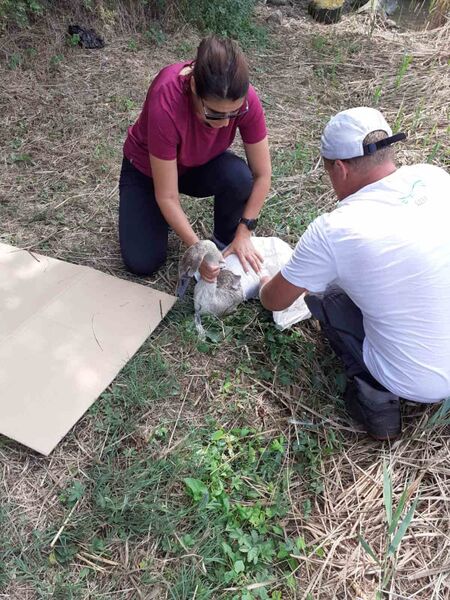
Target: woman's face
{"points": [[217, 113]]}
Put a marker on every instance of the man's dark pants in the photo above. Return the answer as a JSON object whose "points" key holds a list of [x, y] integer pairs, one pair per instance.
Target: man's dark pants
{"points": [[342, 323]]}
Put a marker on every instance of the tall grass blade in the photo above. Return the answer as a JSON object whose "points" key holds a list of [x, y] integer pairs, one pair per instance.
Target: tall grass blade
{"points": [[387, 494], [439, 416], [398, 511], [402, 529], [368, 549]]}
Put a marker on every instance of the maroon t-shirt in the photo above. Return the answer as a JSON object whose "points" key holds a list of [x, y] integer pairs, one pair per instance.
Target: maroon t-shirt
{"points": [[169, 129]]}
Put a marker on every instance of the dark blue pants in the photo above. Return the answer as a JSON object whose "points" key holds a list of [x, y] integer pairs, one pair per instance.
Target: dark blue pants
{"points": [[143, 231], [341, 322]]}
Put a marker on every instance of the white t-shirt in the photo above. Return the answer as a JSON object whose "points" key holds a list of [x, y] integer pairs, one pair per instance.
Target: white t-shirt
{"points": [[388, 247]]}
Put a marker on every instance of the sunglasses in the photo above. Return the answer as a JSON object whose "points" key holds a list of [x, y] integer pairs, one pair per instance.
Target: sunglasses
{"points": [[212, 115]]}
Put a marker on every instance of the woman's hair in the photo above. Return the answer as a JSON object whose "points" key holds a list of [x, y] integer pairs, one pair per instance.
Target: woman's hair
{"points": [[220, 69]]}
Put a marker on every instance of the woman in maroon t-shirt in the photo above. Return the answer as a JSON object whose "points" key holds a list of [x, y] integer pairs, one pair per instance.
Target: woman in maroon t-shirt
{"points": [[179, 144]]}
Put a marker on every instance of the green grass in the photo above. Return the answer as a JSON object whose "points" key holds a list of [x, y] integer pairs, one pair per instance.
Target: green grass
{"points": [[296, 160], [232, 18], [213, 503], [396, 528], [287, 214], [206, 464], [217, 504], [4, 545]]}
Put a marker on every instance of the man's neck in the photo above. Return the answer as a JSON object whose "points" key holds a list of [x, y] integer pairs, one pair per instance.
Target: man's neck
{"points": [[375, 174]]}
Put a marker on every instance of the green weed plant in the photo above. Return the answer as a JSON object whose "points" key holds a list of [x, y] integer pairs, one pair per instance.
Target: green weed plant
{"points": [[396, 528], [222, 499]]}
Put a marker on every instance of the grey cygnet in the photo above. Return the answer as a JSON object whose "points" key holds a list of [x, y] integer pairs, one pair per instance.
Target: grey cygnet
{"points": [[219, 298]]}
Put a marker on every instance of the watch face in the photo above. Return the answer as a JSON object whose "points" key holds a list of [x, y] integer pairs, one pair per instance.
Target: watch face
{"points": [[251, 224]]}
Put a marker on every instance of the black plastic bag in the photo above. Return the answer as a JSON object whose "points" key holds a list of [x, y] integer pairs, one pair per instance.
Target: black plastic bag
{"points": [[88, 37]]}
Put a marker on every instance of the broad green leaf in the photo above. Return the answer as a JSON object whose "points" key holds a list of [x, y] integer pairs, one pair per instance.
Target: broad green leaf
{"points": [[76, 492], [300, 543], [203, 347], [218, 435], [239, 566], [252, 555], [197, 488], [229, 576], [188, 540], [228, 550], [278, 530], [291, 582], [213, 336]]}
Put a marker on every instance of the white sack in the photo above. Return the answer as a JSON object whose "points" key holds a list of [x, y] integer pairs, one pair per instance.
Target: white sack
{"points": [[276, 254]]}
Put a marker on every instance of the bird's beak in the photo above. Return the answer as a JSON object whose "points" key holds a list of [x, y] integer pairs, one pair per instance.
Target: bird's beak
{"points": [[182, 286]]}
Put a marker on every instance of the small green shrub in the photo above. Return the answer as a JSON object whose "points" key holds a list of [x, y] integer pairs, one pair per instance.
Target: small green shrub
{"points": [[15, 60], [155, 36], [19, 11], [231, 18], [73, 40]]}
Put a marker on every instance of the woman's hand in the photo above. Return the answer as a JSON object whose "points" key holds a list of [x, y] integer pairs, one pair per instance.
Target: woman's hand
{"points": [[243, 247], [208, 272]]}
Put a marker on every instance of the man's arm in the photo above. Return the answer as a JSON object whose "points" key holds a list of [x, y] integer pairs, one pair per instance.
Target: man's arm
{"points": [[277, 293]]}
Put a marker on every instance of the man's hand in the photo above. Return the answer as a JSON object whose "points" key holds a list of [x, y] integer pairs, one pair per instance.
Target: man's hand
{"points": [[263, 279], [276, 293], [209, 272], [243, 247]]}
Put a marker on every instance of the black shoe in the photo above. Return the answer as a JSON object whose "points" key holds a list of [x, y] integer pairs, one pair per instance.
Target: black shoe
{"points": [[378, 410]]}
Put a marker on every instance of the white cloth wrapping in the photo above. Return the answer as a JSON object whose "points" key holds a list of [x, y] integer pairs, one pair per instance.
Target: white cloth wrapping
{"points": [[276, 254]]}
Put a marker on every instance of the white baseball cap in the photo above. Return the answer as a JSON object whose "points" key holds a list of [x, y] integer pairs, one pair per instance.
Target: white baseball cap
{"points": [[344, 133]]}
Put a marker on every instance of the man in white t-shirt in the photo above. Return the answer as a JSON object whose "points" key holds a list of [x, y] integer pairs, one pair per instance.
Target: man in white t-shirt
{"points": [[377, 272]]}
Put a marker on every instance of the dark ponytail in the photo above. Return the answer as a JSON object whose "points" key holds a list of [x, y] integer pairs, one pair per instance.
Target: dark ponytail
{"points": [[220, 69]]}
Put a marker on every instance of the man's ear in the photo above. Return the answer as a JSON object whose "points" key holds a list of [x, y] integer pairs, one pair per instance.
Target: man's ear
{"points": [[342, 169]]}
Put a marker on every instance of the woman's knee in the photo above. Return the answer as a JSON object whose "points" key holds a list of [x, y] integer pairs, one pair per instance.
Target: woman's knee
{"points": [[141, 264], [236, 176]]}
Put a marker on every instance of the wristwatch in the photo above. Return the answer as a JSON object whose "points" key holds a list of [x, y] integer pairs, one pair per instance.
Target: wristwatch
{"points": [[251, 224]]}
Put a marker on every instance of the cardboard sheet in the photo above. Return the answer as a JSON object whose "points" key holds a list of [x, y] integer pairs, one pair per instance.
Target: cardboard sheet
{"points": [[65, 333]]}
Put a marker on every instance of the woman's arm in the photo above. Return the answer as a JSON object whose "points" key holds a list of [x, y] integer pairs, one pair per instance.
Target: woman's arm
{"points": [[258, 158], [165, 180]]}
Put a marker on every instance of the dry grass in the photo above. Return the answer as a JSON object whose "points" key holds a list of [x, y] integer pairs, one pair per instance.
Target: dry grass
{"points": [[64, 114]]}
